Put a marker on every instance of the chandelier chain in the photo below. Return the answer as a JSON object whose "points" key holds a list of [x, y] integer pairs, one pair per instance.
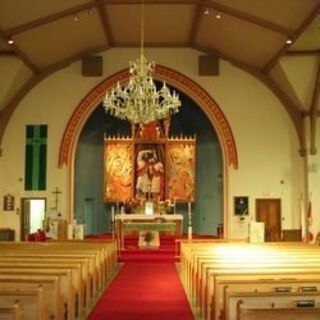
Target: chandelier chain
{"points": [[139, 101]]}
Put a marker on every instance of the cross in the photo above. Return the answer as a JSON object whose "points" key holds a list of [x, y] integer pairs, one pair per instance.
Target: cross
{"points": [[36, 141], [56, 192]]}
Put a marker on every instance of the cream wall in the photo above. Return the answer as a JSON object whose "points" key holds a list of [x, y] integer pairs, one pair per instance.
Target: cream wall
{"points": [[265, 138], [313, 171]]}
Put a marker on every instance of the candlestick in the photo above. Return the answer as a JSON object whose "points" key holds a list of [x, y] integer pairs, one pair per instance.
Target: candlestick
{"points": [[112, 213]]}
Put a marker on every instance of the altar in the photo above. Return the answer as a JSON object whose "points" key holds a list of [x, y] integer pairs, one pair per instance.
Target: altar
{"points": [[171, 223]]}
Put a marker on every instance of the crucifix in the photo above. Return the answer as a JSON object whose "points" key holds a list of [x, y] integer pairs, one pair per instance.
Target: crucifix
{"points": [[57, 192]]}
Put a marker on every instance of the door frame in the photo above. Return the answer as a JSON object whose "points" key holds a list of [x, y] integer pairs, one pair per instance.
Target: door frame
{"points": [[22, 213]]}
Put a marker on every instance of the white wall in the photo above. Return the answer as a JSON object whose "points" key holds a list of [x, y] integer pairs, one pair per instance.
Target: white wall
{"points": [[266, 141]]}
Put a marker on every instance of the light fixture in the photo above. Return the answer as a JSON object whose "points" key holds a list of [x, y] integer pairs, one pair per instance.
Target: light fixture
{"points": [[206, 11], [139, 101], [289, 41], [218, 15], [10, 41], [76, 18]]}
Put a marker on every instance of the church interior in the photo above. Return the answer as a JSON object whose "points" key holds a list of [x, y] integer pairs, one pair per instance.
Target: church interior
{"points": [[160, 159]]}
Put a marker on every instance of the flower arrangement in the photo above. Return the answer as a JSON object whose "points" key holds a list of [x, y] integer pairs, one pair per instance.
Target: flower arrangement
{"points": [[148, 237], [130, 205]]}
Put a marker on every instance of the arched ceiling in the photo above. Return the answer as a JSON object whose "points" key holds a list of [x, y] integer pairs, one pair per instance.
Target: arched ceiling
{"points": [[252, 34], [250, 31]]}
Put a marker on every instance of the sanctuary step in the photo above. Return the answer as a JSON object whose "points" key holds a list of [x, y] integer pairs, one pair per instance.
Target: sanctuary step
{"points": [[164, 253]]}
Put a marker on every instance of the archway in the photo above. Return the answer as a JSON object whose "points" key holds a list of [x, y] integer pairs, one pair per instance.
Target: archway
{"points": [[174, 78]]}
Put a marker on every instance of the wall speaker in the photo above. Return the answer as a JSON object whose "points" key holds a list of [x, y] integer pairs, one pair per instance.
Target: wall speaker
{"points": [[92, 66], [209, 65]]}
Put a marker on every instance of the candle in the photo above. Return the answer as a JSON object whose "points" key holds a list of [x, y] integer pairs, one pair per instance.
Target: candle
{"points": [[189, 208], [112, 213]]}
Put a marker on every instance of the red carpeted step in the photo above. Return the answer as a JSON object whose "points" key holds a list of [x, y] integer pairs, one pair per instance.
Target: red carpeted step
{"points": [[144, 291]]}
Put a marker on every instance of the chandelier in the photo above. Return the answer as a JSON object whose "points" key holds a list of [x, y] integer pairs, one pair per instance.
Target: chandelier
{"points": [[139, 101]]}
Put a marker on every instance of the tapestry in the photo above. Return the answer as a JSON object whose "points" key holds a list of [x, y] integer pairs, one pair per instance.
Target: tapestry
{"points": [[118, 171], [149, 166], [181, 171], [36, 157]]}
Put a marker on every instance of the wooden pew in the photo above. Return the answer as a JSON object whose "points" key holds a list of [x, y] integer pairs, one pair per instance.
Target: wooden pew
{"points": [[84, 267], [256, 283], [31, 301], [51, 290], [201, 267], [273, 312], [76, 280], [13, 312], [65, 280]]}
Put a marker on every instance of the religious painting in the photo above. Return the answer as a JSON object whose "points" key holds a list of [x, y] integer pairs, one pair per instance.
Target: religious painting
{"points": [[118, 171], [181, 171], [150, 171], [241, 206]]}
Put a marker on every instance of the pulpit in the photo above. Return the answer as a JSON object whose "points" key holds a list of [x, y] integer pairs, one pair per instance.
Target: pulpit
{"points": [[56, 229]]}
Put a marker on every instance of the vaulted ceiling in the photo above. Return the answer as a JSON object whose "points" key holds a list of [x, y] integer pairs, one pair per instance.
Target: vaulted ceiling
{"points": [[252, 34]]}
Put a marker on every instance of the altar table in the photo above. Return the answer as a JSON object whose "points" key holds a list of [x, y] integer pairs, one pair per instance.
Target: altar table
{"points": [[156, 222]]}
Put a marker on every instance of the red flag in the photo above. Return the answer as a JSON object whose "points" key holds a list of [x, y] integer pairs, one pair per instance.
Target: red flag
{"points": [[309, 217]]}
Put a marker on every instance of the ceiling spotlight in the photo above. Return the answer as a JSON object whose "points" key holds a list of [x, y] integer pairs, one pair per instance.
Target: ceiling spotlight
{"points": [[218, 15], [10, 42], [76, 18], [289, 41], [206, 11]]}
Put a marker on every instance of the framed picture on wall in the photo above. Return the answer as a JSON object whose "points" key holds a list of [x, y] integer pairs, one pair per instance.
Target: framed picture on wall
{"points": [[8, 202], [241, 205]]}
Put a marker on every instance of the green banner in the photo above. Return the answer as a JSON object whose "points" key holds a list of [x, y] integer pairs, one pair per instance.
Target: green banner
{"points": [[36, 157]]}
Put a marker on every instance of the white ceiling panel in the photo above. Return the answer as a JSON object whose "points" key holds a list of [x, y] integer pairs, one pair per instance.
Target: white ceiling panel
{"points": [[160, 23], [238, 39], [61, 39]]}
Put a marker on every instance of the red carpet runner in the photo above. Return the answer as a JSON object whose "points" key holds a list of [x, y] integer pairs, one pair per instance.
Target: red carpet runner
{"points": [[144, 290]]}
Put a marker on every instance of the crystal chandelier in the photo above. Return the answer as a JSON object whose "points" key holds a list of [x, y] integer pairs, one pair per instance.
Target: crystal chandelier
{"points": [[139, 101]]}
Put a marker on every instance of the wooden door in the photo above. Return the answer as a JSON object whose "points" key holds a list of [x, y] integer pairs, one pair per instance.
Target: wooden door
{"points": [[269, 212]]}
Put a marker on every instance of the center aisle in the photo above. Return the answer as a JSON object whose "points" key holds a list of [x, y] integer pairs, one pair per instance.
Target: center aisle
{"points": [[144, 290]]}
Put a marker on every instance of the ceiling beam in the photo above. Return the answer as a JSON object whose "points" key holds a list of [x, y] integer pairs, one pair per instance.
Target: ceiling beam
{"points": [[314, 111], [166, 2], [293, 111], [25, 59], [50, 18], [249, 18], [152, 45], [303, 53], [105, 21], [9, 108], [198, 11], [303, 26], [8, 53], [86, 6]]}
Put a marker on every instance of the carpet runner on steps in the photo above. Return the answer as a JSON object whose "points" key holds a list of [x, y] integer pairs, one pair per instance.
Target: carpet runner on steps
{"points": [[164, 253], [144, 291]]}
